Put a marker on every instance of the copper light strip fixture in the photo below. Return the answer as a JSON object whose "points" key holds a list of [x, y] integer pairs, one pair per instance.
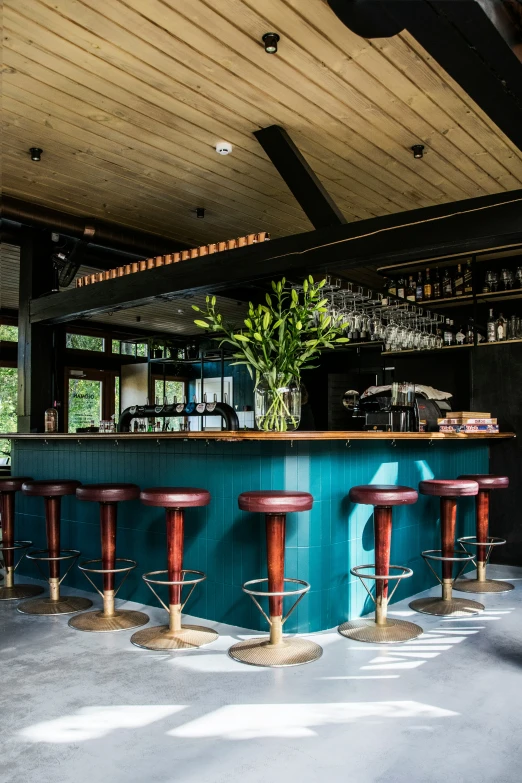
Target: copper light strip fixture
{"points": [[172, 258]]}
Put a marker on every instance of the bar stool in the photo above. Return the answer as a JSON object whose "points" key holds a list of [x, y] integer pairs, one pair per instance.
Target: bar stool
{"points": [[109, 619], [52, 493], [448, 492], [275, 650], [9, 486], [174, 636], [382, 629], [482, 540]]}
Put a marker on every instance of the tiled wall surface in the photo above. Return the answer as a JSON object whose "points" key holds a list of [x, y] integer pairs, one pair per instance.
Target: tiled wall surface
{"points": [[322, 545]]}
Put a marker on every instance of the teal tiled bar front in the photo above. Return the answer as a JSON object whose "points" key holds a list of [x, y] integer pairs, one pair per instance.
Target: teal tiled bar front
{"points": [[228, 544]]}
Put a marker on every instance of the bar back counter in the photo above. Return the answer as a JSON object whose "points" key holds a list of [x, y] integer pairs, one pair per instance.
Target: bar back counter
{"points": [[228, 544]]}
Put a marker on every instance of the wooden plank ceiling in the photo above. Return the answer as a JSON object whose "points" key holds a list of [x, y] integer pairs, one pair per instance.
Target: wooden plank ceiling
{"points": [[174, 317], [128, 99]]}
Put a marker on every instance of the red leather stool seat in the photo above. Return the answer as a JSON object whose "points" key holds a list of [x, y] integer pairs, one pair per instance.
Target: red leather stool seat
{"points": [[175, 497], [487, 481], [12, 483], [108, 493], [383, 495], [275, 501], [52, 488], [449, 488]]}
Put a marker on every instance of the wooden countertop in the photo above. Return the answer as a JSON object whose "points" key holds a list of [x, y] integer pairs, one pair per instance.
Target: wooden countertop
{"points": [[241, 435]]}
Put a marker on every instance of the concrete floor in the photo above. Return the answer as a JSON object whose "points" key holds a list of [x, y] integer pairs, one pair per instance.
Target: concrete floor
{"points": [[82, 708]]}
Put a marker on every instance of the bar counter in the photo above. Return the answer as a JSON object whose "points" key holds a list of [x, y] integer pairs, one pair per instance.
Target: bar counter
{"points": [[228, 544]]}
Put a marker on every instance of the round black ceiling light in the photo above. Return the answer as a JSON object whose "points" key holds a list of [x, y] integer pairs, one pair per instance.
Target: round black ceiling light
{"points": [[270, 41], [36, 153], [418, 151], [200, 212]]}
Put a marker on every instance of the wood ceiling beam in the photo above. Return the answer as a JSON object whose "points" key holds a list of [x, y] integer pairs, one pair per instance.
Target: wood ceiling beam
{"points": [[477, 42], [315, 201], [465, 226]]}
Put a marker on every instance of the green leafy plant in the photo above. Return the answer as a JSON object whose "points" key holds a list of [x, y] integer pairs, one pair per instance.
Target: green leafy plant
{"points": [[281, 338]]}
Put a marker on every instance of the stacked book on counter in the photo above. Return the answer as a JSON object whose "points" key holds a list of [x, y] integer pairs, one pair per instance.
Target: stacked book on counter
{"points": [[468, 421]]}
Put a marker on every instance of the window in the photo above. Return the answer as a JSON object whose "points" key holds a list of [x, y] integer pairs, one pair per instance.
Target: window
{"points": [[84, 342], [117, 410], [84, 403], [168, 389], [8, 395], [9, 333], [129, 349]]}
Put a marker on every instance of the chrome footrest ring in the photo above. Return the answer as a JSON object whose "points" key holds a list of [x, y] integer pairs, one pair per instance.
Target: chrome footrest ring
{"points": [[43, 554], [405, 572], [472, 541], [15, 545], [431, 554], [265, 594], [146, 578], [131, 567]]}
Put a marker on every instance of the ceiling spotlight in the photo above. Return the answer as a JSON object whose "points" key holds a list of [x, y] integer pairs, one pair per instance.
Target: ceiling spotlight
{"points": [[200, 212], [270, 41], [36, 153], [418, 151]]}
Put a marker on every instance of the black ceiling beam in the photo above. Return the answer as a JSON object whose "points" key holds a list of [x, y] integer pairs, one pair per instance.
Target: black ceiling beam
{"points": [[460, 227], [314, 200], [475, 41]]}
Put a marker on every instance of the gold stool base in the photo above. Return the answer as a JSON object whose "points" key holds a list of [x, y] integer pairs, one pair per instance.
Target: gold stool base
{"points": [[97, 622], [291, 652], [17, 592], [393, 632], [454, 607], [489, 586], [64, 605], [160, 637]]}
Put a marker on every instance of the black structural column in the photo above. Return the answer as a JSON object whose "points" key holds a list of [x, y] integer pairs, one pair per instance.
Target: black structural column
{"points": [[314, 200], [35, 341]]}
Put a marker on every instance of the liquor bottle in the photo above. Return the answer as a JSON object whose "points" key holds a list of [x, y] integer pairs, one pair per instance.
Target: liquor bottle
{"points": [[51, 419], [411, 290], [392, 287], [468, 278], [437, 289], [459, 282], [460, 337], [501, 328], [486, 288], [470, 332], [447, 337], [428, 290], [419, 290], [447, 286], [453, 336], [401, 288], [491, 328]]}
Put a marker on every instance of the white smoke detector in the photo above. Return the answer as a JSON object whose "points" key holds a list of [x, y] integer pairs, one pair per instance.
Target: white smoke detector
{"points": [[223, 147]]}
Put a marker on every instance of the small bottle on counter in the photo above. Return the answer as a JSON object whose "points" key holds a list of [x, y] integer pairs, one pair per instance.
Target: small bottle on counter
{"points": [[419, 290], [447, 286], [51, 419], [401, 288], [459, 282], [428, 290], [501, 328], [437, 293], [468, 278], [410, 291]]}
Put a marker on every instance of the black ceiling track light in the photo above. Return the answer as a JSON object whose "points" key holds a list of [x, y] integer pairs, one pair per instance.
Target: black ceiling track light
{"points": [[36, 153], [200, 212], [270, 41], [418, 151]]}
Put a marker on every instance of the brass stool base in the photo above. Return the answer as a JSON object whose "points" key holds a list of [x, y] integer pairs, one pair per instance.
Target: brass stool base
{"points": [[489, 586], [160, 637], [64, 605], [393, 632], [455, 607], [17, 592], [291, 652], [97, 622]]}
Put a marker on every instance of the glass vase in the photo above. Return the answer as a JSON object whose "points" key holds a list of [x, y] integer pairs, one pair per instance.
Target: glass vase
{"points": [[277, 404]]}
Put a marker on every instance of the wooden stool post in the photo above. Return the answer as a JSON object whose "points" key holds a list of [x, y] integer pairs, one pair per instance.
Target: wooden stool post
{"points": [[176, 635], [482, 541], [52, 492], [448, 490], [381, 629], [275, 650], [9, 547], [110, 618]]}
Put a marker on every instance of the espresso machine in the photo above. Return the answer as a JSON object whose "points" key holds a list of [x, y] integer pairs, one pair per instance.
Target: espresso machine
{"points": [[401, 407]]}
